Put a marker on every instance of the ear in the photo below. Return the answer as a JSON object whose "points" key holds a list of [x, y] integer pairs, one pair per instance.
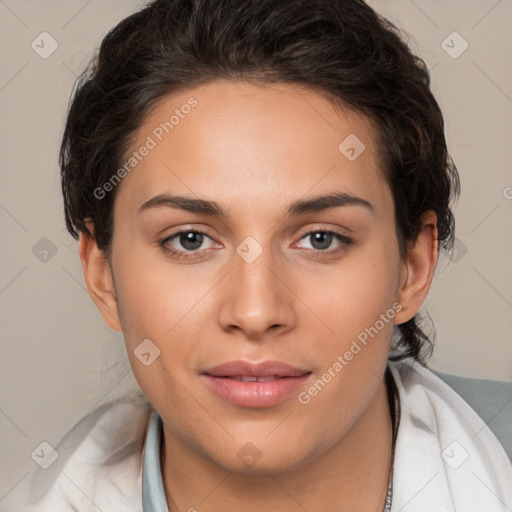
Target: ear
{"points": [[99, 279], [418, 270]]}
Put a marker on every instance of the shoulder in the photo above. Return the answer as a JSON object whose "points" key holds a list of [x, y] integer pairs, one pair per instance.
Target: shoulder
{"points": [[420, 386], [444, 445], [439, 407], [98, 464]]}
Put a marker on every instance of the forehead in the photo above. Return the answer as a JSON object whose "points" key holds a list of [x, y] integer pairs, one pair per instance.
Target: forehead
{"points": [[249, 141]]}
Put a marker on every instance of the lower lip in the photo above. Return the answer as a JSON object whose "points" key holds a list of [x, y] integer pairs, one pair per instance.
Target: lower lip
{"points": [[255, 394]]}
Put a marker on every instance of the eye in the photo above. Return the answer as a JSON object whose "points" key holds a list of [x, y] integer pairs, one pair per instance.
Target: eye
{"points": [[321, 241], [188, 243], [191, 242]]}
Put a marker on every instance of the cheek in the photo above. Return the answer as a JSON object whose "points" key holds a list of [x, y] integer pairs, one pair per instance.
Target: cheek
{"points": [[153, 293], [356, 303], [351, 295], [163, 303], [155, 303], [167, 303]]}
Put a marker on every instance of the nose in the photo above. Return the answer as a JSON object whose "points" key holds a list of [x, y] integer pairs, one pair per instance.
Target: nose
{"points": [[256, 298]]}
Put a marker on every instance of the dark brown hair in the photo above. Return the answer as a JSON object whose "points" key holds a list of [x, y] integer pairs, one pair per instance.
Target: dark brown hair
{"points": [[339, 47]]}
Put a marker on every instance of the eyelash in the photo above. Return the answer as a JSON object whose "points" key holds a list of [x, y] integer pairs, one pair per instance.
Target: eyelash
{"points": [[188, 255]]}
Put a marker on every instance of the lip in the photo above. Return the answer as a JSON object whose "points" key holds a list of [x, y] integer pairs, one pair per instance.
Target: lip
{"points": [[287, 381]]}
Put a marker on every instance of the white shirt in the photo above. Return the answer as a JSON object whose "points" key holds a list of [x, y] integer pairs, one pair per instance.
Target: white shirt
{"points": [[446, 458]]}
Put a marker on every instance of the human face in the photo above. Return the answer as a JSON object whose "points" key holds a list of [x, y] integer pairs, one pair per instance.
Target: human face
{"points": [[254, 287]]}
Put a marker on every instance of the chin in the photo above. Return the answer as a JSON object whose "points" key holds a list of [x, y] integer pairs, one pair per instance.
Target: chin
{"points": [[270, 458]]}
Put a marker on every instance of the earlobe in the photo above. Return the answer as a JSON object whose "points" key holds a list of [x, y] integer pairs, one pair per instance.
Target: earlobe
{"points": [[418, 269], [99, 279]]}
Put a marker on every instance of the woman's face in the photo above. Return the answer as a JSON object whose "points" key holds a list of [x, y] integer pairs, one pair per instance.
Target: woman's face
{"points": [[275, 278]]}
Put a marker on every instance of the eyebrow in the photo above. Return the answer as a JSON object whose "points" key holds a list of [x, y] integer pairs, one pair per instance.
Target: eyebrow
{"points": [[299, 207]]}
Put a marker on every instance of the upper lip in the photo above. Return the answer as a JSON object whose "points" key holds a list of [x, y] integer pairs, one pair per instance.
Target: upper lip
{"points": [[248, 369]]}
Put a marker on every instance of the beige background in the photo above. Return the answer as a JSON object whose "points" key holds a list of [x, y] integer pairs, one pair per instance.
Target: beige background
{"points": [[58, 358]]}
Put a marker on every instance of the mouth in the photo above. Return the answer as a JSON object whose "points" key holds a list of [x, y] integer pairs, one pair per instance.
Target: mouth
{"points": [[259, 385]]}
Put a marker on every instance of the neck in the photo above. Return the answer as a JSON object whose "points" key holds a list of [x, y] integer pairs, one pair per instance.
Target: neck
{"points": [[352, 475]]}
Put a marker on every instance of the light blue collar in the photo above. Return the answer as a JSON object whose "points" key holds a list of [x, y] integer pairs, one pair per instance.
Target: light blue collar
{"points": [[153, 493]]}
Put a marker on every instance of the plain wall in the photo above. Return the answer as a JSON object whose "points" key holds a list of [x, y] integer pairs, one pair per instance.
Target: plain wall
{"points": [[59, 359]]}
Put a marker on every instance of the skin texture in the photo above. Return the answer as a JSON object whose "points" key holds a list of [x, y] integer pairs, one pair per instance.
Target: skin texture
{"points": [[255, 149]]}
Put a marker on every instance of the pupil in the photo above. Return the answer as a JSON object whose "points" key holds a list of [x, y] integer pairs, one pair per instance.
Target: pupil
{"points": [[324, 239], [191, 240]]}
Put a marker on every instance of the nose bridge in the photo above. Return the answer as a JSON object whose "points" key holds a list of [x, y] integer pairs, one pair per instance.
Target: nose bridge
{"points": [[257, 299]]}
